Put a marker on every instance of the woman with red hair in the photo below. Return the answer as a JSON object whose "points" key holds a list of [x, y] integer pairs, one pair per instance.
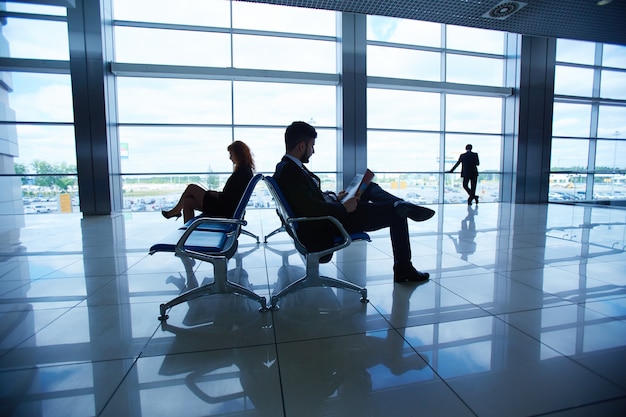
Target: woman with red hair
{"points": [[217, 203]]}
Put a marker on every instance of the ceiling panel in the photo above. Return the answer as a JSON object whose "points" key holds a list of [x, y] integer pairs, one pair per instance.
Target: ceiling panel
{"points": [[571, 19]]}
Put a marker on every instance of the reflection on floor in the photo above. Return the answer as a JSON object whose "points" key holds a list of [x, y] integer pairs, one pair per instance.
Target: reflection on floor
{"points": [[524, 315]]}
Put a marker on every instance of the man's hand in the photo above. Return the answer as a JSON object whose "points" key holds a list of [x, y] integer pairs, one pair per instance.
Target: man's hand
{"points": [[341, 194], [350, 204]]}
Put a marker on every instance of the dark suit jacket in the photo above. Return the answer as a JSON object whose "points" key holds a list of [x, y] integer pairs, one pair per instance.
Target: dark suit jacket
{"points": [[470, 162], [307, 200], [226, 202]]}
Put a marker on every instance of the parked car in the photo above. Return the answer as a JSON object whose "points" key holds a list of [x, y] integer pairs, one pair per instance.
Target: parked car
{"points": [[41, 209], [29, 210]]}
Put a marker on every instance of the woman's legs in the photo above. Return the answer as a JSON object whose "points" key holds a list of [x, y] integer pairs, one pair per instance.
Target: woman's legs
{"points": [[191, 199]]}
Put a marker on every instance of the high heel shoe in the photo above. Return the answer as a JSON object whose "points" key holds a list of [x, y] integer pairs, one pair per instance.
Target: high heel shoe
{"points": [[164, 214]]}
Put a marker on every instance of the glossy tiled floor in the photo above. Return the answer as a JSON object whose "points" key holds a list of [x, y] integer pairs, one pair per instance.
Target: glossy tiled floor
{"points": [[525, 314]]}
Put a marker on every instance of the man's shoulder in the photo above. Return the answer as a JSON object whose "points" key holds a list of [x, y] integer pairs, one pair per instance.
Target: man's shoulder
{"points": [[286, 165]]}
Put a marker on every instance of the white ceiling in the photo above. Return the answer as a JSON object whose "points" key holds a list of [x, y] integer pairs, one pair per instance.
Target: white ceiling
{"points": [[571, 19]]}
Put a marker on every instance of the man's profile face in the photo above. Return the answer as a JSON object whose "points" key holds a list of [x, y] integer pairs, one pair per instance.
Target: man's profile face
{"points": [[309, 149]]}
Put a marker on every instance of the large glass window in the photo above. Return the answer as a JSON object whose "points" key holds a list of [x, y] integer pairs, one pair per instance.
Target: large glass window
{"points": [[36, 111], [197, 112], [408, 127], [589, 123]]}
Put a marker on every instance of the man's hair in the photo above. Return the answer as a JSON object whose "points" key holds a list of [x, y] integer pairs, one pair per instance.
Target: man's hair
{"points": [[298, 132], [468, 147]]}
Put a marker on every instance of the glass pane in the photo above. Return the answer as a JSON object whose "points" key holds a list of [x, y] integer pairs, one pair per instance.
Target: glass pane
{"points": [[614, 56], [43, 194], [569, 155], [475, 40], [612, 122], [247, 15], [174, 149], [161, 100], [571, 119], [171, 47], [188, 12], [264, 52], [410, 32], [573, 81], [396, 109], [34, 9], [474, 70], [613, 85], [157, 192], [567, 187], [578, 52], [416, 188], [35, 39], [280, 104], [473, 114], [488, 148], [487, 188], [609, 187], [402, 151], [610, 154], [403, 63], [53, 146], [268, 147], [38, 98]]}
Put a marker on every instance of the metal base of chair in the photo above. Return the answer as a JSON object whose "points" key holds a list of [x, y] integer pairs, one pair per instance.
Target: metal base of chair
{"points": [[280, 229], [220, 285], [313, 278]]}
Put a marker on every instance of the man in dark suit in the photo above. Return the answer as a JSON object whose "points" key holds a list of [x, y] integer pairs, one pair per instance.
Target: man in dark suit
{"points": [[374, 209], [469, 172]]}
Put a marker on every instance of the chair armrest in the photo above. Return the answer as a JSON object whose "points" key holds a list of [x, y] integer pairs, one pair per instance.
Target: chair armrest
{"points": [[346, 240]]}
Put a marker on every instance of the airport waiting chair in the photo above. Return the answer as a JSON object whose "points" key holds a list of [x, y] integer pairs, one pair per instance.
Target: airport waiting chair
{"points": [[212, 240], [312, 277]]}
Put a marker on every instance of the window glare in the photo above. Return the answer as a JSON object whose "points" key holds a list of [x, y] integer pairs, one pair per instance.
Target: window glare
{"points": [[614, 56], [612, 122], [474, 70], [575, 51], [278, 104], [34, 9], [407, 63], [161, 100], [171, 47], [476, 40], [571, 119], [573, 81], [188, 12], [166, 149], [35, 39], [263, 52], [613, 85], [40, 98], [473, 114], [569, 154], [611, 154], [258, 16], [402, 151], [410, 109], [410, 32]]}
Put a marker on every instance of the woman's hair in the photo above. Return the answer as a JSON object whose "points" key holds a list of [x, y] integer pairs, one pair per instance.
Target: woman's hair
{"points": [[241, 154]]}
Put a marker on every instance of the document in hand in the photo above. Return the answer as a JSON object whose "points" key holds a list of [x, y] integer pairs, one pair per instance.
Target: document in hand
{"points": [[358, 185]]}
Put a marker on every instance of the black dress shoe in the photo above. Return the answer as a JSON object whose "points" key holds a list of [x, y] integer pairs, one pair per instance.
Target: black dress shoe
{"points": [[476, 199], [409, 274], [413, 211]]}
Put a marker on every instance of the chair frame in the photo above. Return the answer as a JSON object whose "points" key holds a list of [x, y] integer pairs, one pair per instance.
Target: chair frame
{"points": [[211, 228], [312, 277]]}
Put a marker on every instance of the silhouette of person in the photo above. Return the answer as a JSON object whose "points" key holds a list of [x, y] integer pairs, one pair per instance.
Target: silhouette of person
{"points": [[469, 172], [374, 209], [217, 203], [465, 244]]}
